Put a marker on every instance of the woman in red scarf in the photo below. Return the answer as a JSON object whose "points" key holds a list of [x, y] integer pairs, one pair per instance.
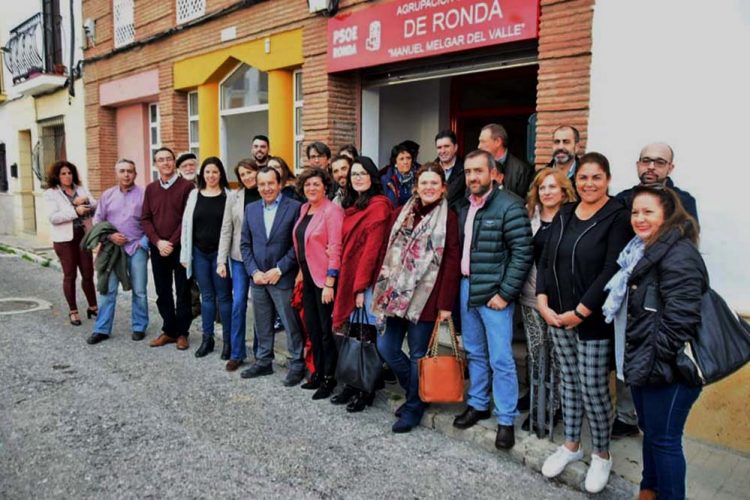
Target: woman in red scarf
{"points": [[364, 232]]}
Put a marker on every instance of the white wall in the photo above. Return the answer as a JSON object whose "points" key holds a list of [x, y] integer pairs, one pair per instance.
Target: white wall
{"points": [[679, 72]]}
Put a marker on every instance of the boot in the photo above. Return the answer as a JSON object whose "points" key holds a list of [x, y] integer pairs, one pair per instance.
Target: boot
{"points": [[326, 388], [207, 345], [226, 351]]}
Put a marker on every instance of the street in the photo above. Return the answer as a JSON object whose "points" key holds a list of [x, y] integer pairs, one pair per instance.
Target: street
{"points": [[120, 419]]}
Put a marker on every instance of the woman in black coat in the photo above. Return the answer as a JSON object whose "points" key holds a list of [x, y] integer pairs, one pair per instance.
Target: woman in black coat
{"points": [[579, 258], [656, 297]]}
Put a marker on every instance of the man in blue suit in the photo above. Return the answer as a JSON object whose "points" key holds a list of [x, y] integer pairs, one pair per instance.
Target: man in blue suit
{"points": [[268, 254]]}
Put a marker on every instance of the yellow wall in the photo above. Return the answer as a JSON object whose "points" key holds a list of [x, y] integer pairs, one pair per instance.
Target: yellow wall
{"points": [[205, 71]]}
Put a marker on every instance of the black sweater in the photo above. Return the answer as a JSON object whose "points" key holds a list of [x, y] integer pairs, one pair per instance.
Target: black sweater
{"points": [[593, 262]]}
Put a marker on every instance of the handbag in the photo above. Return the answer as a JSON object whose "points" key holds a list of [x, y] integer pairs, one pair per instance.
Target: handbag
{"points": [[441, 378], [359, 364], [721, 347]]}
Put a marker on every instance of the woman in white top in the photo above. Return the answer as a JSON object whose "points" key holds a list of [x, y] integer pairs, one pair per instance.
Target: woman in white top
{"points": [[70, 207]]}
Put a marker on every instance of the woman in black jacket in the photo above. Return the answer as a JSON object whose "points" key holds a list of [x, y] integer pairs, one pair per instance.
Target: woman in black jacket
{"points": [[579, 259], [655, 301]]}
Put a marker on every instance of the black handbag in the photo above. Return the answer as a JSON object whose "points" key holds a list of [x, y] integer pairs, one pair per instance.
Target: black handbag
{"points": [[721, 348], [359, 364]]}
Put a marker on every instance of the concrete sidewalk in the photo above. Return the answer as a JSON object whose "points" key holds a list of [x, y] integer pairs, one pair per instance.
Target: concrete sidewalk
{"points": [[713, 472]]}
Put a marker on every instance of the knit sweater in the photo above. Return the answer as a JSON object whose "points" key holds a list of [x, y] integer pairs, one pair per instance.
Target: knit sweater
{"points": [[162, 210]]}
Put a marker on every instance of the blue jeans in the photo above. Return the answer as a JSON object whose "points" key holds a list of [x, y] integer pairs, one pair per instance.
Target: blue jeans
{"points": [[137, 267], [488, 337], [662, 411], [405, 368], [214, 289], [240, 285], [268, 301]]}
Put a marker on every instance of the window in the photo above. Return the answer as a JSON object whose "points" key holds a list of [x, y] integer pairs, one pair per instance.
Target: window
{"points": [[123, 23], [246, 88], [187, 10], [154, 137], [53, 50], [3, 171], [53, 144], [193, 137], [299, 133]]}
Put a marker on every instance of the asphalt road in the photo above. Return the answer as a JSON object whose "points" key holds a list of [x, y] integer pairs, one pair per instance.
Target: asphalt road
{"points": [[122, 420]]}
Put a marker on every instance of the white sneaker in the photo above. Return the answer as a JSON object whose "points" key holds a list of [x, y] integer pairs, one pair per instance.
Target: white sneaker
{"points": [[560, 459], [598, 473]]}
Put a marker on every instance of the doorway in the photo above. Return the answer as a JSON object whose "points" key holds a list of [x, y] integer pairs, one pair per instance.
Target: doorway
{"points": [[26, 183]]}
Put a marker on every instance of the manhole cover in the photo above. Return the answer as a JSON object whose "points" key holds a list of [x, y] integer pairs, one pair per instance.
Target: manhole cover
{"points": [[22, 305]]}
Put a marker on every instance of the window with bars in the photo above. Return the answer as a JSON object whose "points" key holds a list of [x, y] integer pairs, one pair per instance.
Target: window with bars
{"points": [[299, 133], [187, 10], [154, 137], [123, 22], [193, 138]]}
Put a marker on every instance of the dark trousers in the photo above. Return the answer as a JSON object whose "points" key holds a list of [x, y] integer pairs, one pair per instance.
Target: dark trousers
{"points": [[73, 259], [662, 411], [319, 325], [176, 320]]}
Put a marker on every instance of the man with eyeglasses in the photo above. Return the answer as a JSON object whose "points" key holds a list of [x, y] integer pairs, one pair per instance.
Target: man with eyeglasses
{"points": [[318, 155], [654, 166], [163, 205]]}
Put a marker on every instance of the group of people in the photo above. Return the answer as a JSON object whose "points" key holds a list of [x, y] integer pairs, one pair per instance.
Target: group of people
{"points": [[603, 282]]}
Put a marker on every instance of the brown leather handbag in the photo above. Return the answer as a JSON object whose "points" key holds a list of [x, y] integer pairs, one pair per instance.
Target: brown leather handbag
{"points": [[441, 378]]}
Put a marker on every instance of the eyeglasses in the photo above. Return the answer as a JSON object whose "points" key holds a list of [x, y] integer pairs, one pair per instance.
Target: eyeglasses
{"points": [[659, 162], [360, 174], [164, 160]]}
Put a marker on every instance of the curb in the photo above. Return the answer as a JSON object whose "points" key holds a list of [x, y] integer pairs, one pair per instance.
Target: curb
{"points": [[30, 256]]}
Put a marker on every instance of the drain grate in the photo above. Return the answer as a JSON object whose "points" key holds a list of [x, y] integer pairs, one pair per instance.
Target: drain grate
{"points": [[18, 305]]}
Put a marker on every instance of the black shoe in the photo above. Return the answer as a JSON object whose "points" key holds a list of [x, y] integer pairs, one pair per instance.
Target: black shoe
{"points": [[207, 345], [92, 313], [361, 401], [505, 438], [399, 410], [326, 388], [75, 320], [293, 379], [313, 383], [96, 338], [257, 371], [401, 426], [226, 351], [344, 396], [138, 335], [388, 376], [620, 429], [470, 417], [524, 402]]}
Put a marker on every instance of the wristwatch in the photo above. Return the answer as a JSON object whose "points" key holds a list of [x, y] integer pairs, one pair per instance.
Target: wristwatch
{"points": [[579, 315]]}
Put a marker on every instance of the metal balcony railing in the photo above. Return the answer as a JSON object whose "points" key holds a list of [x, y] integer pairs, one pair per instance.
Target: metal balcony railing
{"points": [[25, 53]]}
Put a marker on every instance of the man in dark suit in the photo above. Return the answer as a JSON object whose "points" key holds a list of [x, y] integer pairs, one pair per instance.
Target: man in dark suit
{"points": [[268, 254], [446, 144], [566, 141], [518, 174]]}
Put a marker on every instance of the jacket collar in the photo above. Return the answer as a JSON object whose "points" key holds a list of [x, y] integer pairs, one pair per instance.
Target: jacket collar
{"points": [[656, 251]]}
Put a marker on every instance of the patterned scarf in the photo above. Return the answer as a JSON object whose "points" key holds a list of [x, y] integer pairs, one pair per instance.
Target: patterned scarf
{"points": [[411, 263]]}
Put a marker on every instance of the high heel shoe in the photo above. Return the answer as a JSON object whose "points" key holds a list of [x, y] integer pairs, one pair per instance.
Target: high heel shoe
{"points": [[92, 313], [346, 395], [326, 388], [360, 402], [74, 321]]}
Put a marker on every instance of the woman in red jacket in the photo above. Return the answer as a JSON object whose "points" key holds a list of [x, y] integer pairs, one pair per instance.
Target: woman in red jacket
{"points": [[317, 243], [367, 214], [417, 284]]}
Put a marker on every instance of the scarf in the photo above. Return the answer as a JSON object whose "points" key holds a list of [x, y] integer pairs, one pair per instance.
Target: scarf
{"points": [[411, 264], [615, 307]]}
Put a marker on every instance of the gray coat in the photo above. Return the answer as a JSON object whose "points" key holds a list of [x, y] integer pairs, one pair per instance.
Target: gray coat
{"points": [[231, 227]]}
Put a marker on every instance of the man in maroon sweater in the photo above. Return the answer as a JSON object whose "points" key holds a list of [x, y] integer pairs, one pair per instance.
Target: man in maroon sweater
{"points": [[163, 205]]}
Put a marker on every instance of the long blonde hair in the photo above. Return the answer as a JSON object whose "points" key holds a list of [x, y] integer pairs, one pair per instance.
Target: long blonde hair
{"points": [[532, 199]]}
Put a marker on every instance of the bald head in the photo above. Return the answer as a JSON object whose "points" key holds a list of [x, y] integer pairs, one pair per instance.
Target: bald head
{"points": [[655, 163]]}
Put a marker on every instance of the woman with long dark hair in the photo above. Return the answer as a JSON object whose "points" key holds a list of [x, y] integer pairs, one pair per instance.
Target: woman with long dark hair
{"points": [[399, 178], [655, 303], [70, 207], [367, 214], [417, 284], [201, 230], [579, 258]]}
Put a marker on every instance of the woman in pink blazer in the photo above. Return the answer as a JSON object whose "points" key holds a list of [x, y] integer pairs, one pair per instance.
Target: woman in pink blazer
{"points": [[317, 242], [69, 209]]}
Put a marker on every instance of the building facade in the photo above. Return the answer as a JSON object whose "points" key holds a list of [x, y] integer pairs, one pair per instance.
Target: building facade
{"points": [[207, 75], [41, 112]]}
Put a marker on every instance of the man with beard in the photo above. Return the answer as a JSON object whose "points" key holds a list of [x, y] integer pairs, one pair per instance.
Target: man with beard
{"points": [[340, 169], [497, 254], [565, 144], [187, 166], [654, 166], [446, 144], [260, 148]]}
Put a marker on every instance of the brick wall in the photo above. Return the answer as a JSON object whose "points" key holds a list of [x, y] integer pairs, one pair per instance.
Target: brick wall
{"points": [[564, 71]]}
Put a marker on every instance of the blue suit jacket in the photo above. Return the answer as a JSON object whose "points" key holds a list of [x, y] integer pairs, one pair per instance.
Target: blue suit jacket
{"points": [[261, 253]]}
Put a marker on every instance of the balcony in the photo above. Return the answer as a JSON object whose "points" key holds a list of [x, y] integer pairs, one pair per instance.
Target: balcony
{"points": [[34, 56]]}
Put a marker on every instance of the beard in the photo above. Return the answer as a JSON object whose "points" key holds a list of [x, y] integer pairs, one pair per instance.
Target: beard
{"points": [[261, 157], [564, 156], [189, 177], [651, 178]]}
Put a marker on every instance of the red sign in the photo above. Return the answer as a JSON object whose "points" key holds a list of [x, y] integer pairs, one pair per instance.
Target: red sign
{"points": [[409, 29]]}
